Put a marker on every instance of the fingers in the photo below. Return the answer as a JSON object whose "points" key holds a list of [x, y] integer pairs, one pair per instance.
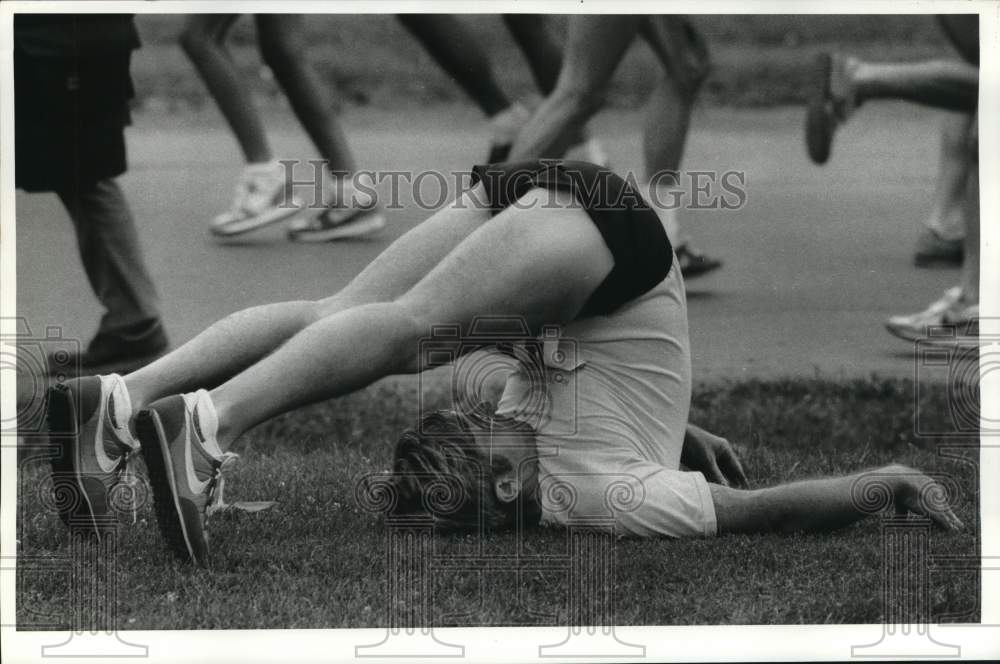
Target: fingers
{"points": [[713, 474], [733, 469]]}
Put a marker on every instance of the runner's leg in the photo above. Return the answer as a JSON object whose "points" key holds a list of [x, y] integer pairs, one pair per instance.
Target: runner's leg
{"points": [[453, 46], [204, 41], [284, 47], [594, 47]]}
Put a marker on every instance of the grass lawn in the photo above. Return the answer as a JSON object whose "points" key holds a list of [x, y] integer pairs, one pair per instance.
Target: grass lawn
{"points": [[317, 559]]}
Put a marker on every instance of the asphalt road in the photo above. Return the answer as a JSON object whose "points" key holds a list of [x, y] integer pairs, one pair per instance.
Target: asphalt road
{"points": [[815, 260]]}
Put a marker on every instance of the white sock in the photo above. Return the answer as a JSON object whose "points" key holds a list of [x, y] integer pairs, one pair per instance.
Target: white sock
{"points": [[207, 421], [120, 403]]}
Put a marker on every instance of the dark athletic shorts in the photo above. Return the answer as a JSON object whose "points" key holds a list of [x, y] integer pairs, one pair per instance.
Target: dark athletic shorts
{"points": [[630, 227]]}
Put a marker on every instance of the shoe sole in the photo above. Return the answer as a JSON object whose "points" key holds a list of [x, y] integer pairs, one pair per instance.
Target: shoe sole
{"points": [[364, 227], [61, 415], [819, 133], [166, 504], [253, 223]]}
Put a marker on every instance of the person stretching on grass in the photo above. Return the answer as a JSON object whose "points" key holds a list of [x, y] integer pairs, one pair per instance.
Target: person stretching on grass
{"points": [[565, 246]]}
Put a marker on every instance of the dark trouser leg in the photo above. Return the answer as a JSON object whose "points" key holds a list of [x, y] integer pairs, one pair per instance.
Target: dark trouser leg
{"points": [[109, 248]]}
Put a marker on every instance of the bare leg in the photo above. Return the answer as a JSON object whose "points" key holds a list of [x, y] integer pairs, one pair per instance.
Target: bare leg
{"points": [[684, 58], [970, 266], [239, 340], [544, 56], [594, 47], [947, 84], [203, 40], [447, 39], [283, 45], [518, 264], [946, 217]]}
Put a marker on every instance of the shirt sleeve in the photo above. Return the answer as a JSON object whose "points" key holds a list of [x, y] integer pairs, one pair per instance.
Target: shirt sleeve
{"points": [[641, 499]]}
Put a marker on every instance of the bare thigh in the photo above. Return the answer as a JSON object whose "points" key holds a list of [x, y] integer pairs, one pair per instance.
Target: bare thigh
{"points": [[407, 260], [534, 261]]}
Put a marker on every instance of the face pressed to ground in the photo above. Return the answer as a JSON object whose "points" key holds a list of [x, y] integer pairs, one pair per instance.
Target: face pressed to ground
{"points": [[501, 440]]}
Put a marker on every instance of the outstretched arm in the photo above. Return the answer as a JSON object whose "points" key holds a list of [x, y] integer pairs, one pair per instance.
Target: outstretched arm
{"points": [[826, 504]]}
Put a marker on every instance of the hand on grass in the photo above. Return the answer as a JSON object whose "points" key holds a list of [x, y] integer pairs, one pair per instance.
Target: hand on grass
{"points": [[713, 456], [917, 493]]}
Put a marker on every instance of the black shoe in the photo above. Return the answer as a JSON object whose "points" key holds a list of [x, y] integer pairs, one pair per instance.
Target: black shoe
{"points": [[933, 250], [694, 264], [119, 351]]}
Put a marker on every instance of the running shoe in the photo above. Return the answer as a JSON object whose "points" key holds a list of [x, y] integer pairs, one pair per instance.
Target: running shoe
{"points": [[88, 424], [337, 223], [262, 198], [185, 466], [947, 321], [831, 101], [934, 250], [693, 263]]}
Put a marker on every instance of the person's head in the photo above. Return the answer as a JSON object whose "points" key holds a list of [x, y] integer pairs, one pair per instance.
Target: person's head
{"points": [[464, 472]]}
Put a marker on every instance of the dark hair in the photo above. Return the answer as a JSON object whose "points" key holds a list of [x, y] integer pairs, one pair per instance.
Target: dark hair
{"points": [[439, 470]]}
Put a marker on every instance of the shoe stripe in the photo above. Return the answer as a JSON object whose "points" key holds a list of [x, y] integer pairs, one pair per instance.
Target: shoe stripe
{"points": [[161, 477]]}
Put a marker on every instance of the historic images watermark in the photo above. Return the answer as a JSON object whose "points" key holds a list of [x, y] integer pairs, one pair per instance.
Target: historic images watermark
{"points": [[312, 184]]}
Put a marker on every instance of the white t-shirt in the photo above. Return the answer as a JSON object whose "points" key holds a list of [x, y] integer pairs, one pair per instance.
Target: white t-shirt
{"points": [[610, 424]]}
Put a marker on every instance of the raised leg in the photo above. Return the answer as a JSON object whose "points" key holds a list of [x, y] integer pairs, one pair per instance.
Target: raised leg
{"points": [[539, 263], [237, 341]]}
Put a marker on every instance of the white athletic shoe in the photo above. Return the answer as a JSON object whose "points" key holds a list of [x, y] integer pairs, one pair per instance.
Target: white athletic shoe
{"points": [[262, 198], [337, 223], [947, 321]]}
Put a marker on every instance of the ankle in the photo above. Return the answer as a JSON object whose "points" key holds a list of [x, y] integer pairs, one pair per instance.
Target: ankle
{"points": [[226, 427]]}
